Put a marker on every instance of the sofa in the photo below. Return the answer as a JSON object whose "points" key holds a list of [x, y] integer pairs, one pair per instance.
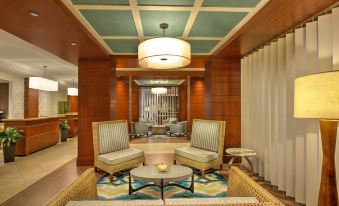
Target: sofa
{"points": [[241, 191]]}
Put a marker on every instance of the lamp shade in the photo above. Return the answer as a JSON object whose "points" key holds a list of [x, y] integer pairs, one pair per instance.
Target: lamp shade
{"points": [[164, 53], [72, 91], [43, 84], [159, 90], [317, 96]]}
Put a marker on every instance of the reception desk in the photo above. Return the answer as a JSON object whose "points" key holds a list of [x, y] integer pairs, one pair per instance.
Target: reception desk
{"points": [[39, 133]]}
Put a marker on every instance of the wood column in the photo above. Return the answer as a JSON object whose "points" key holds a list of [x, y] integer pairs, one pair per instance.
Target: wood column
{"points": [[122, 93], [182, 113], [197, 103], [135, 102], [4, 98], [222, 97], [31, 101], [72, 103], [97, 101]]}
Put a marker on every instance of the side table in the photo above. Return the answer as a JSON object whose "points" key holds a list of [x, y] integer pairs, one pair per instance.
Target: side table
{"points": [[240, 152]]}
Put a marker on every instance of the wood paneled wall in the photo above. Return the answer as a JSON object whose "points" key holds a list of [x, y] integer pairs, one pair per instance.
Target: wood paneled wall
{"points": [[222, 97], [197, 106], [182, 114], [72, 103], [31, 101], [135, 102], [4, 97], [122, 98], [96, 101]]}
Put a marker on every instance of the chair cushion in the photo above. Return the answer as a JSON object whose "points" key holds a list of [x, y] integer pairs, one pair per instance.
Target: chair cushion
{"points": [[117, 157], [210, 201], [196, 154], [205, 135], [117, 203], [113, 137]]}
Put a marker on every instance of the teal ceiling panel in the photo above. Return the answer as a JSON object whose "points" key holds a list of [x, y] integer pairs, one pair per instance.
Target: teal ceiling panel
{"points": [[111, 23], [166, 3], [202, 46], [101, 2], [123, 45], [175, 19], [231, 3], [215, 24]]}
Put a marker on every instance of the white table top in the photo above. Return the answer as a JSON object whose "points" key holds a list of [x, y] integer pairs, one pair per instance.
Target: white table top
{"points": [[240, 152], [150, 173]]}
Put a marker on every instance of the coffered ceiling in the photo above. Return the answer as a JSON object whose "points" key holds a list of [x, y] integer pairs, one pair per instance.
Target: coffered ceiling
{"points": [[120, 25]]}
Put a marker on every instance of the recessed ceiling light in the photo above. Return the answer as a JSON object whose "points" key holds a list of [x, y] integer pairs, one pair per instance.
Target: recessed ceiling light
{"points": [[33, 13], [73, 44]]}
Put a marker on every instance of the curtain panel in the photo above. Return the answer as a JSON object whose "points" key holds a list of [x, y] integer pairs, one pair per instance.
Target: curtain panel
{"points": [[289, 151]]}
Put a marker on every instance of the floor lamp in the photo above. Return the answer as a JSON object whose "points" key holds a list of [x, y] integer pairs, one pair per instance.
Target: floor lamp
{"points": [[316, 96]]}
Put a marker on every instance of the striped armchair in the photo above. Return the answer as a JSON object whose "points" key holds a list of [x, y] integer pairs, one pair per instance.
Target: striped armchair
{"points": [[207, 146], [111, 147]]}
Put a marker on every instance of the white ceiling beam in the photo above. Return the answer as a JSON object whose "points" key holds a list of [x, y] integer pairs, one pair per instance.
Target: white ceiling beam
{"points": [[192, 17], [164, 8], [137, 20], [226, 9], [100, 7]]}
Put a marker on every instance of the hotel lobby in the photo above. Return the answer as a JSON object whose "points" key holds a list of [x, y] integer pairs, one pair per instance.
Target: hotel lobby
{"points": [[178, 102]]}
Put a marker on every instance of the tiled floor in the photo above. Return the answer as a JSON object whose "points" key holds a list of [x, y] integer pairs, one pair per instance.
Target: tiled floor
{"points": [[26, 170]]}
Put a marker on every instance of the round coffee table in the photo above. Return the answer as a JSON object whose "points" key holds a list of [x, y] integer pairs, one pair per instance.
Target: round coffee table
{"points": [[159, 129], [161, 179], [241, 152]]}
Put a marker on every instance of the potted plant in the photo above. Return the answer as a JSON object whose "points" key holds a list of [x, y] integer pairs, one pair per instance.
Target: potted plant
{"points": [[8, 139], [64, 130]]}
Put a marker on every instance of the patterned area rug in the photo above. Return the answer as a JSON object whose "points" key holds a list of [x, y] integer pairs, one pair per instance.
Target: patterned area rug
{"points": [[213, 185]]}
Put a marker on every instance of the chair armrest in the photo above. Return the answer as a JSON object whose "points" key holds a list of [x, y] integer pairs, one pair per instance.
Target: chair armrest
{"points": [[241, 185], [83, 188]]}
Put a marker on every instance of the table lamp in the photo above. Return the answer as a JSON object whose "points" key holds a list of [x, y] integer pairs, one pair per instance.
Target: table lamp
{"points": [[316, 96]]}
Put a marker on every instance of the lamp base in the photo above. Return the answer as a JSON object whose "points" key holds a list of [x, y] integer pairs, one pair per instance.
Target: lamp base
{"points": [[328, 194]]}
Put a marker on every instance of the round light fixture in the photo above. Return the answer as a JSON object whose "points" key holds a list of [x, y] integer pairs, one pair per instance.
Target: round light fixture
{"points": [[33, 13], [164, 52], [159, 90]]}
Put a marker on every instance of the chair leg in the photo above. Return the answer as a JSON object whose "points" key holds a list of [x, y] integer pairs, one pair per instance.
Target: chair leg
{"points": [[110, 177], [221, 166], [143, 163], [96, 169], [202, 173], [174, 162]]}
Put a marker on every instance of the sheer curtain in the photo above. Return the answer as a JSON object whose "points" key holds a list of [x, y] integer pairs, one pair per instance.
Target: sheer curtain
{"points": [[289, 152]]}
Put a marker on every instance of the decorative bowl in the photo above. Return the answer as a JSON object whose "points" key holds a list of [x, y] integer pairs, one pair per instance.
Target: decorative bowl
{"points": [[162, 167]]}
